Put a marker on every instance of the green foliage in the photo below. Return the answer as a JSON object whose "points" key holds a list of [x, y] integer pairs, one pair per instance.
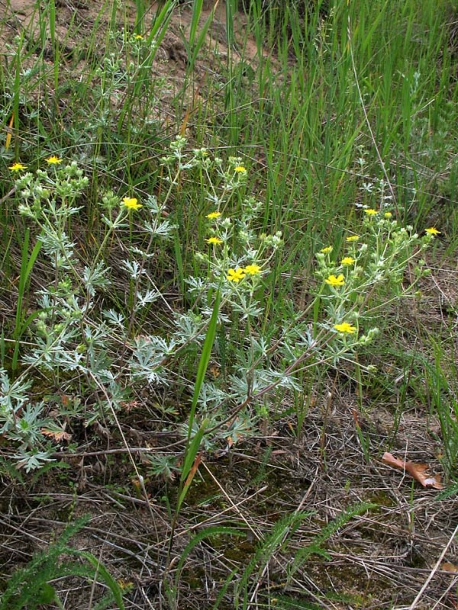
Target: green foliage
{"points": [[315, 547], [447, 493], [441, 393], [173, 589], [30, 587], [228, 288], [277, 541], [24, 279], [285, 602]]}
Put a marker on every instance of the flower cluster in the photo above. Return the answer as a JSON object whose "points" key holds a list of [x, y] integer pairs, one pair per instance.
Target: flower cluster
{"points": [[373, 266], [235, 275], [74, 336]]}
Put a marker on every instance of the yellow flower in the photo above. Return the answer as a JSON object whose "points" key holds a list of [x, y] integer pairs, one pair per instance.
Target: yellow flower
{"points": [[388, 214], [326, 250], [16, 167], [345, 327], [131, 203], [431, 231], [235, 275], [138, 37], [333, 280], [53, 160], [347, 260], [252, 269], [371, 212], [353, 238], [240, 169], [213, 215], [214, 240]]}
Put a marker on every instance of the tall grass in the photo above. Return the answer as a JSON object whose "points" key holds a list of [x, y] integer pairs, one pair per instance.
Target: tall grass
{"points": [[343, 83], [344, 97]]}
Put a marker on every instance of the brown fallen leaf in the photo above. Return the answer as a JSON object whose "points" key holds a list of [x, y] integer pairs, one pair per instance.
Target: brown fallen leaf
{"points": [[449, 567], [58, 435], [417, 471]]}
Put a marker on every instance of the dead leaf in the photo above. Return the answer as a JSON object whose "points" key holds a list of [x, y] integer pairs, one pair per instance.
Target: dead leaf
{"points": [[128, 406], [449, 567], [354, 412], [193, 470], [57, 435], [9, 133], [214, 371], [417, 471]]}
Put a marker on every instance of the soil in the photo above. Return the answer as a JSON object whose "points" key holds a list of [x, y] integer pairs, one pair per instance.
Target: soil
{"points": [[378, 560]]}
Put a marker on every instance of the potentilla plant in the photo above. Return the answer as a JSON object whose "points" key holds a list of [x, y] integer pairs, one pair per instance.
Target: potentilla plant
{"points": [[354, 284], [72, 339], [367, 274], [69, 335]]}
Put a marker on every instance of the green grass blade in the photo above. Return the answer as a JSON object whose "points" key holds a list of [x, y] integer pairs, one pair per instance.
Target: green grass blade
{"points": [[206, 533], [193, 443], [204, 359], [161, 21], [196, 12], [101, 570], [194, 50], [26, 269]]}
